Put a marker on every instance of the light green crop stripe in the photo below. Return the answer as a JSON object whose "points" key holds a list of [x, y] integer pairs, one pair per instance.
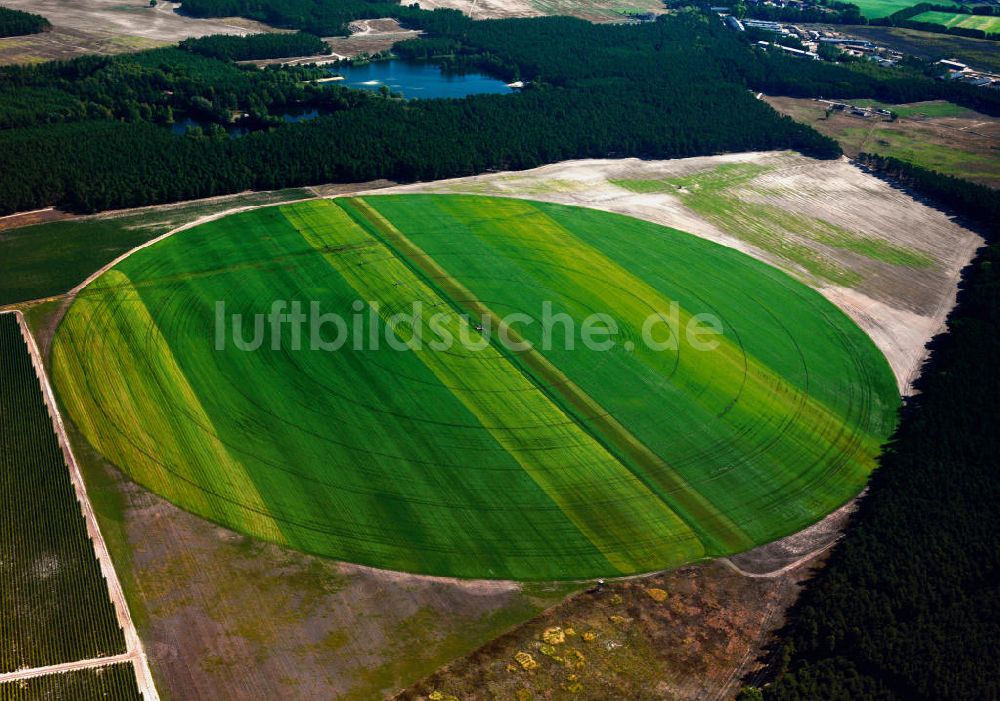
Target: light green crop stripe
{"points": [[763, 387], [110, 321], [613, 509]]}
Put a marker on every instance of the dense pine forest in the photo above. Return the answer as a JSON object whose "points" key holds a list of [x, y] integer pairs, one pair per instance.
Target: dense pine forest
{"points": [[314, 16], [257, 46], [681, 86], [16, 23], [908, 606], [654, 91]]}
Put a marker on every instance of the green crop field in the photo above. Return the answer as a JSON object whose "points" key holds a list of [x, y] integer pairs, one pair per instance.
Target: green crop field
{"points": [[54, 602], [112, 683], [475, 458], [989, 24], [874, 9]]}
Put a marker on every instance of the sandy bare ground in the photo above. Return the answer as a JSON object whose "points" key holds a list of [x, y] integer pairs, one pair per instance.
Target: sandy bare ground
{"points": [[108, 27], [368, 36], [134, 649], [485, 9], [901, 308], [593, 10]]}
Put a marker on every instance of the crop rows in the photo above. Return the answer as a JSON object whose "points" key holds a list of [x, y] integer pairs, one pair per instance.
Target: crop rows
{"points": [[113, 683], [54, 604]]}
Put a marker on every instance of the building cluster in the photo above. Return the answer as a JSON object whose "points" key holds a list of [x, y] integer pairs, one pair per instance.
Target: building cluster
{"points": [[863, 112], [955, 70], [813, 39]]}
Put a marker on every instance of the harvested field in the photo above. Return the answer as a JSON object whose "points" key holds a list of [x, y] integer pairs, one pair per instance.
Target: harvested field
{"points": [[900, 307], [593, 10], [110, 27]]}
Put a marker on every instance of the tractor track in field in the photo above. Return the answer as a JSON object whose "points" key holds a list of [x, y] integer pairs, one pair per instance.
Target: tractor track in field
{"points": [[135, 651]]}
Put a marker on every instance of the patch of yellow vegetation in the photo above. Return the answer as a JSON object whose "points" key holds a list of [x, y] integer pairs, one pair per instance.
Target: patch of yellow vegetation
{"points": [[554, 635], [657, 595], [172, 452], [575, 658], [526, 660], [441, 696]]}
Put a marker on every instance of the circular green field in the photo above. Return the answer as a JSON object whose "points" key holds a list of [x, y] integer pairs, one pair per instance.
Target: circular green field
{"points": [[498, 388]]}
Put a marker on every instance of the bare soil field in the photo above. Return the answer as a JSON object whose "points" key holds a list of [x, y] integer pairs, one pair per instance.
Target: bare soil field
{"points": [[942, 137], [593, 10], [786, 196], [692, 633], [109, 27], [368, 36]]}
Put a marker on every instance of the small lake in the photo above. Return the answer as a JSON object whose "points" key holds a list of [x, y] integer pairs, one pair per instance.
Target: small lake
{"points": [[411, 79], [417, 79]]}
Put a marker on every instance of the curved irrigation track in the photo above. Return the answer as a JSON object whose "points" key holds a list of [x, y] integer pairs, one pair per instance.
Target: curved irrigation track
{"points": [[588, 414]]}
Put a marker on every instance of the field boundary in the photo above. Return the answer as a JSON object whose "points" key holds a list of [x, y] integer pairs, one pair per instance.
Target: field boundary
{"points": [[94, 663], [135, 651]]}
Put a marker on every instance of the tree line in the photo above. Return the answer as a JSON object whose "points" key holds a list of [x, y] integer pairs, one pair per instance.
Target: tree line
{"points": [[908, 606], [257, 46], [16, 23], [315, 16]]}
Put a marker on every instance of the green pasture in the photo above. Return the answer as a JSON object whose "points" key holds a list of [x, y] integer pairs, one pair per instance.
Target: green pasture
{"points": [[988, 23], [875, 9], [476, 459]]}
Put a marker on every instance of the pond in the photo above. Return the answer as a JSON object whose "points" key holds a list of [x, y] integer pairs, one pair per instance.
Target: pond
{"points": [[417, 79], [181, 126], [412, 79]]}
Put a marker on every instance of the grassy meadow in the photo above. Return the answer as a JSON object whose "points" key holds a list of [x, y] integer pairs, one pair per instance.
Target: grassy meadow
{"points": [[988, 23], [546, 463]]}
